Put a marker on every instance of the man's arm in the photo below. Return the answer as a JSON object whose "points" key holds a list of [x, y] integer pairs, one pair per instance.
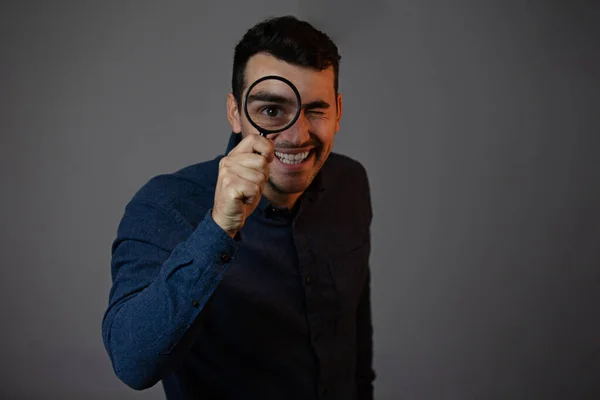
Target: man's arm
{"points": [[365, 375], [163, 275]]}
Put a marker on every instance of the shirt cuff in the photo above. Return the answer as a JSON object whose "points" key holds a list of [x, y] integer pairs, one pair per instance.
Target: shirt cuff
{"points": [[210, 239]]}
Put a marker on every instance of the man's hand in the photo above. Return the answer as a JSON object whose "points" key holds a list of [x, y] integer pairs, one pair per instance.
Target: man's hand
{"points": [[242, 177]]}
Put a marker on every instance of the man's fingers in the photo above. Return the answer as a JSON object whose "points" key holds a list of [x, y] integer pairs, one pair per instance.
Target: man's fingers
{"points": [[246, 160], [255, 175], [242, 177], [255, 144], [242, 189]]}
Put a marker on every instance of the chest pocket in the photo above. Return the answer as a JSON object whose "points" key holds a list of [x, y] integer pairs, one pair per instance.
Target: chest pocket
{"points": [[349, 273]]}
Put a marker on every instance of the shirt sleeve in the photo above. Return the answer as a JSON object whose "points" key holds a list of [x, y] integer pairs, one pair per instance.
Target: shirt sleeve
{"points": [[163, 274], [365, 374]]}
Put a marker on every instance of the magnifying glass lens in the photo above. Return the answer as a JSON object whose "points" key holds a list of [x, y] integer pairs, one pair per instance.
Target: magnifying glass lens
{"points": [[272, 105]]}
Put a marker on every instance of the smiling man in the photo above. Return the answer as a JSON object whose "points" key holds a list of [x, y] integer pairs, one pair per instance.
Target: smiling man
{"points": [[247, 276]]}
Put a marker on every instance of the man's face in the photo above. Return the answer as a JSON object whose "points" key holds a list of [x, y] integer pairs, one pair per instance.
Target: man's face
{"points": [[312, 134]]}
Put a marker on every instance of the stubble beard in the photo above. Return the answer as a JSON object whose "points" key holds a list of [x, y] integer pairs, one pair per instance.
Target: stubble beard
{"points": [[294, 188]]}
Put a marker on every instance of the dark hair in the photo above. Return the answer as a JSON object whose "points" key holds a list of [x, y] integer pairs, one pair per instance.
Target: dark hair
{"points": [[288, 39]]}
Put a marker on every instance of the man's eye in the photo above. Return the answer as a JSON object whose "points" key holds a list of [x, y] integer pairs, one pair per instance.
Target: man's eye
{"points": [[272, 112]]}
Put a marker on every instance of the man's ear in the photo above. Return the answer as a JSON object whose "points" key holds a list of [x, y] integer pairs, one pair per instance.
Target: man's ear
{"points": [[233, 114], [339, 112]]}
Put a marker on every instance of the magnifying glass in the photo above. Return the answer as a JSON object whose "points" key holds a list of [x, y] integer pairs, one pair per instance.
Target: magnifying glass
{"points": [[272, 104]]}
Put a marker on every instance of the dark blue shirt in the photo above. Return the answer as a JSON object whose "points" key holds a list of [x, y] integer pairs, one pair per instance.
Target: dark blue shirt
{"points": [[282, 311]]}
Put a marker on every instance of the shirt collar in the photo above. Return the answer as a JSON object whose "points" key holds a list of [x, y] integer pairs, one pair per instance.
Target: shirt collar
{"points": [[311, 193]]}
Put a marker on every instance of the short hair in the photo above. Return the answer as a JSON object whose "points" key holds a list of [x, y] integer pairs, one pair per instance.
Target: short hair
{"points": [[288, 39]]}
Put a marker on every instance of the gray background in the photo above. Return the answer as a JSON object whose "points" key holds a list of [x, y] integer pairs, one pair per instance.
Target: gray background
{"points": [[477, 121]]}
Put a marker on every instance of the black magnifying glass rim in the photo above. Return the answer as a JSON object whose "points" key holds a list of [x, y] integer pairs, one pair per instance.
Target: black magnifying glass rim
{"points": [[262, 130]]}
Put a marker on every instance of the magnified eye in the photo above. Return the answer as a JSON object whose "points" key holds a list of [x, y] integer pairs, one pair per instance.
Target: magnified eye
{"points": [[272, 111]]}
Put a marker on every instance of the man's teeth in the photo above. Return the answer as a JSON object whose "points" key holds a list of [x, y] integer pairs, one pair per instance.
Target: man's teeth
{"points": [[292, 158]]}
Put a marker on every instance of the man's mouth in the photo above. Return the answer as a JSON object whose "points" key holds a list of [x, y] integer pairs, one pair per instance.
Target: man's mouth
{"points": [[289, 158]]}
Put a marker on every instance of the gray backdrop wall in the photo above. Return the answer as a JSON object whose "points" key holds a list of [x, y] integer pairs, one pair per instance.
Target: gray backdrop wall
{"points": [[477, 121]]}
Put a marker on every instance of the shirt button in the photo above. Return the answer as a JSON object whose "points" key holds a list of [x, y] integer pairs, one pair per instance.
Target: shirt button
{"points": [[308, 278], [195, 303], [225, 257]]}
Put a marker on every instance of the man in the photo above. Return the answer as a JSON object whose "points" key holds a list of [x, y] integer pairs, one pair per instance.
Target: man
{"points": [[247, 276]]}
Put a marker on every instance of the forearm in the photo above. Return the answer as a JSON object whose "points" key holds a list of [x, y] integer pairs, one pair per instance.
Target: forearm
{"points": [[148, 329]]}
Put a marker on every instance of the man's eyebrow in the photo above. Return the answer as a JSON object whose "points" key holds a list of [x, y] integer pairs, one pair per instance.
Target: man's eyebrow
{"points": [[278, 99], [270, 98], [316, 104]]}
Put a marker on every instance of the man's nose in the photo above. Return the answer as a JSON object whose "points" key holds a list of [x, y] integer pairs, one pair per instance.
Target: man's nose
{"points": [[299, 133]]}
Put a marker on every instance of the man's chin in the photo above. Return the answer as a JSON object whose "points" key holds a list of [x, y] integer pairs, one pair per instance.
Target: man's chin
{"points": [[288, 188]]}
